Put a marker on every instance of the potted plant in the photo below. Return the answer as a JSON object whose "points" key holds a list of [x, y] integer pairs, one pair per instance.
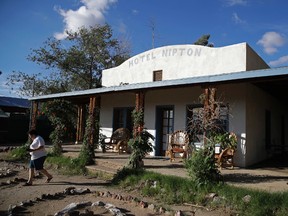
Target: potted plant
{"points": [[226, 140]]}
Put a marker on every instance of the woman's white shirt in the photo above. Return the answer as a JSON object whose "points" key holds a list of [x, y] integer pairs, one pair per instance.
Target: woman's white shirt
{"points": [[37, 142]]}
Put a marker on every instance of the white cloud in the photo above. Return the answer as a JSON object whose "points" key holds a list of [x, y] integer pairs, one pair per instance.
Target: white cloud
{"points": [[89, 14], [235, 2], [281, 61], [270, 42], [237, 19]]}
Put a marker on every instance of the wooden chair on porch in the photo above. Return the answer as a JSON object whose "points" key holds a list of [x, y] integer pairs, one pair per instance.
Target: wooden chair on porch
{"points": [[225, 158], [178, 143], [117, 142]]}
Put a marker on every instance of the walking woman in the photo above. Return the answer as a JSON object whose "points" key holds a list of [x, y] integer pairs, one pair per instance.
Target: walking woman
{"points": [[38, 157]]}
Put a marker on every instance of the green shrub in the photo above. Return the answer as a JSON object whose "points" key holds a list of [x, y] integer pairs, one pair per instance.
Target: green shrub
{"points": [[176, 190], [67, 165], [20, 153], [140, 146], [201, 167]]}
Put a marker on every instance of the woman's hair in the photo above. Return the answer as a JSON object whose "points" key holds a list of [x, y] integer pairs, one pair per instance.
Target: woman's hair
{"points": [[33, 132]]}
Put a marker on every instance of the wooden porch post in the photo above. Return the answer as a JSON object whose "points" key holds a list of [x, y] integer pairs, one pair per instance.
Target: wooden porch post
{"points": [[212, 100], [139, 106], [94, 108], [92, 119], [140, 99], [209, 106], [80, 123], [33, 120], [97, 117]]}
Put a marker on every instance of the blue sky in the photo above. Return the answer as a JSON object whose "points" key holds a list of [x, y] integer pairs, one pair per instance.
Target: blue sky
{"points": [[26, 24]]}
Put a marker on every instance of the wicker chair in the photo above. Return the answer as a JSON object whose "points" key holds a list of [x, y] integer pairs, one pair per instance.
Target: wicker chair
{"points": [[178, 143], [118, 141], [225, 158]]}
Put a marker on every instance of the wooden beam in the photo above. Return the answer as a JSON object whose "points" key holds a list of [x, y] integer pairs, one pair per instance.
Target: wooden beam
{"points": [[80, 123], [94, 109], [139, 106], [140, 100], [34, 111]]}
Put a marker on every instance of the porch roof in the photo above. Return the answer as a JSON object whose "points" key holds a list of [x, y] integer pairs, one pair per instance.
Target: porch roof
{"points": [[273, 80]]}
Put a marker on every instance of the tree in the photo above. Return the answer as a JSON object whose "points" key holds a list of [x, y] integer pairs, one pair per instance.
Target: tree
{"points": [[203, 41], [73, 64]]}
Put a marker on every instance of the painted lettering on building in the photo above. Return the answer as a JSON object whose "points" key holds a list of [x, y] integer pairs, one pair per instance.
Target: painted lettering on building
{"points": [[172, 52]]}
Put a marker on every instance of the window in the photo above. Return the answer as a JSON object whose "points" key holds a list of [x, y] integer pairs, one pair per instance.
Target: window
{"points": [[194, 120], [122, 118], [157, 75]]}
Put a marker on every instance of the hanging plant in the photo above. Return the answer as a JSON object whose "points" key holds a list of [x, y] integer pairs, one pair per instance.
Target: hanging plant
{"points": [[226, 140], [86, 155], [138, 117], [60, 113]]}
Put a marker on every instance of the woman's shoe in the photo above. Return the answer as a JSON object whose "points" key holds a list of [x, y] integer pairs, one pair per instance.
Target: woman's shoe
{"points": [[27, 184], [49, 179]]}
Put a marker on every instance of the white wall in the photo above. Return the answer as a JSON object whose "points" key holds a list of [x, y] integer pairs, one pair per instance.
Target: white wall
{"points": [[178, 61], [108, 102], [257, 102], [235, 95], [178, 98]]}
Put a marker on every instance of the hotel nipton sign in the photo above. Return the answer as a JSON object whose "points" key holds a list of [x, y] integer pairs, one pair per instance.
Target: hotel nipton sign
{"points": [[164, 53]]}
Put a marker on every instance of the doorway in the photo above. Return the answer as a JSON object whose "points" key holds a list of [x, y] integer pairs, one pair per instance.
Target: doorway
{"points": [[164, 126]]}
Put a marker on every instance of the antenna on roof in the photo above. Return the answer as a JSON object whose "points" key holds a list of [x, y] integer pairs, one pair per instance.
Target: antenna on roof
{"points": [[152, 26]]}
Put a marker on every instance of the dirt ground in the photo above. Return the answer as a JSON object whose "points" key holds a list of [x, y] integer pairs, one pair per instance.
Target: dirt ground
{"points": [[272, 179], [15, 193]]}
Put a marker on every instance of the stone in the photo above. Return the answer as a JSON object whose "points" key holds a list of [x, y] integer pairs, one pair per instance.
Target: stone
{"points": [[98, 203], [116, 211], [67, 209], [26, 203], [211, 195], [151, 206], [73, 213], [87, 213], [246, 199], [178, 213], [143, 204], [119, 197], [162, 210], [84, 204], [80, 191], [109, 205], [217, 200], [68, 190], [128, 198], [14, 209], [107, 194], [154, 184]]}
